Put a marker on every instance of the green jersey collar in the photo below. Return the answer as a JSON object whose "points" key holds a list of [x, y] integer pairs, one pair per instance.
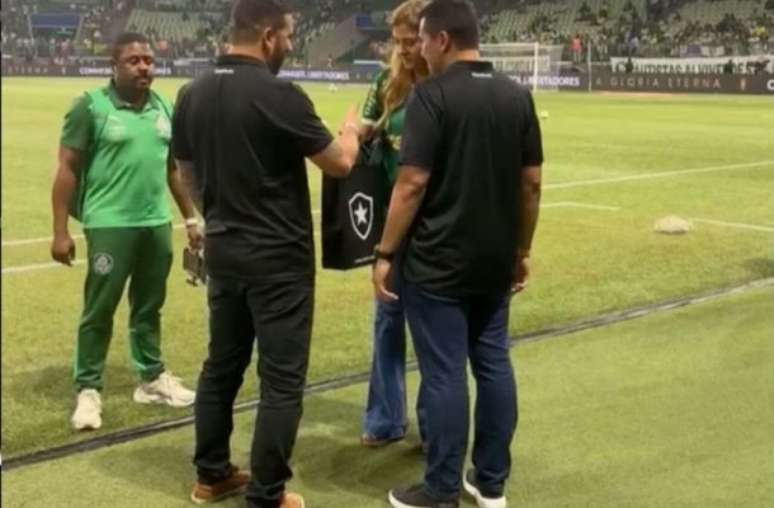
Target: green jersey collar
{"points": [[119, 103]]}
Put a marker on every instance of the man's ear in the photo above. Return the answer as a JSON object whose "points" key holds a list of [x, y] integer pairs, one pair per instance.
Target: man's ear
{"points": [[445, 40], [267, 36]]}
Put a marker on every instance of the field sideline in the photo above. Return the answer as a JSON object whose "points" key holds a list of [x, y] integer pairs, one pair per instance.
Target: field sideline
{"points": [[673, 409], [614, 165]]}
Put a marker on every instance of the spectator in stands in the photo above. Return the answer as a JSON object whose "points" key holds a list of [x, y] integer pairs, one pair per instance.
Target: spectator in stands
{"points": [[385, 419], [634, 45], [629, 66], [584, 13], [604, 10], [759, 66], [577, 49], [728, 67], [119, 136]]}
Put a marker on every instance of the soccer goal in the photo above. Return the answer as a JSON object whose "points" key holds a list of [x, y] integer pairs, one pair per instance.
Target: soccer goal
{"points": [[531, 63]]}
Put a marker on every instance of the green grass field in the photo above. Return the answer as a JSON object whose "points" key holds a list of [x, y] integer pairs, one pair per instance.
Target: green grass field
{"points": [[671, 410], [614, 165]]}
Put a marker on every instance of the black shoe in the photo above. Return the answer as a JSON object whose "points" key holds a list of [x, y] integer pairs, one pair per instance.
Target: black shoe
{"points": [[483, 499], [370, 441], [417, 497]]}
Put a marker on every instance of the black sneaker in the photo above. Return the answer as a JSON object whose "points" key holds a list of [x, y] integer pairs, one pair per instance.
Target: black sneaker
{"points": [[417, 497], [483, 500]]}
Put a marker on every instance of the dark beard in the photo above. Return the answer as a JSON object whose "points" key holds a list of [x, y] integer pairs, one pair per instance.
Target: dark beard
{"points": [[275, 63]]}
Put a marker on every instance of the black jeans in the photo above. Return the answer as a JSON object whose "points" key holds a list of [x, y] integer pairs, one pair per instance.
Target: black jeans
{"points": [[279, 316]]}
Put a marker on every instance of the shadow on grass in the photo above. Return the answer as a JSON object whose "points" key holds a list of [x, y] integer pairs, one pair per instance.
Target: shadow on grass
{"points": [[49, 399], [330, 458], [760, 267]]}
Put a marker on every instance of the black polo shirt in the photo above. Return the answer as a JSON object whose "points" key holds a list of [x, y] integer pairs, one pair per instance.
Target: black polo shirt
{"points": [[247, 133], [474, 129]]}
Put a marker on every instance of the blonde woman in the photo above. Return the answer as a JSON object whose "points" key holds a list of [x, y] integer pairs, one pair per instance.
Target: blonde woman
{"points": [[385, 419]]}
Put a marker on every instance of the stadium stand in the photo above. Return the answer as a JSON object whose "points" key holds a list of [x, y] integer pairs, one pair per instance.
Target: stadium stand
{"points": [[197, 28], [16, 32]]}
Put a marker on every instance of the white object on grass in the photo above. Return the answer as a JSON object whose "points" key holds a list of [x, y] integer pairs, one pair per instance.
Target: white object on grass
{"points": [[672, 225]]}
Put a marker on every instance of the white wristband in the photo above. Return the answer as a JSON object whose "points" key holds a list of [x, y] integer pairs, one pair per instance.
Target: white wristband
{"points": [[193, 221]]}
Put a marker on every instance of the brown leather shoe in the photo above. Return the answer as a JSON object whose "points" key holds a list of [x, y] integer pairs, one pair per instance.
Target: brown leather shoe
{"points": [[292, 500], [234, 484]]}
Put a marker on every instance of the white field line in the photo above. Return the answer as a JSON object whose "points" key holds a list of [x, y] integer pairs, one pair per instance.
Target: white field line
{"points": [[574, 204], [46, 239], [33, 241], [662, 174], [560, 204], [50, 265], [46, 266], [40, 266], [737, 225], [565, 185]]}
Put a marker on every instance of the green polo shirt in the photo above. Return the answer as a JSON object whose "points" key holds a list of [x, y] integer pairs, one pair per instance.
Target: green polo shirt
{"points": [[373, 109], [125, 179]]}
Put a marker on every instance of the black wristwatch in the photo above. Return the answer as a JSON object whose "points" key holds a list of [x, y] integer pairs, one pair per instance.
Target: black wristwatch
{"points": [[380, 254]]}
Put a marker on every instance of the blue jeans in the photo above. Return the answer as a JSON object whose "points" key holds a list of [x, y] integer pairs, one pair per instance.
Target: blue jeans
{"points": [[385, 416], [448, 332]]}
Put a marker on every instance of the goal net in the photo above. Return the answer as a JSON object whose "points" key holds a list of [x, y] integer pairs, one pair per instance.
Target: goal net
{"points": [[532, 64]]}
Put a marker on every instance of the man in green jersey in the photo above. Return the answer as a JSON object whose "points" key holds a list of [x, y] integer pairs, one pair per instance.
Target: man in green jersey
{"points": [[114, 168]]}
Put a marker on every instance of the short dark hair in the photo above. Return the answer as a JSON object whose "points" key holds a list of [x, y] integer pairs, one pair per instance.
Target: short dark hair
{"points": [[125, 39], [458, 18], [248, 15]]}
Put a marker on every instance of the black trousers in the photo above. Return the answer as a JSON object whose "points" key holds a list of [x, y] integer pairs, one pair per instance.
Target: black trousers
{"points": [[278, 317]]}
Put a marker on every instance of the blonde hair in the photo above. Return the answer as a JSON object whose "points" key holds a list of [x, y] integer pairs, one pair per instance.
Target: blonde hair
{"points": [[401, 79]]}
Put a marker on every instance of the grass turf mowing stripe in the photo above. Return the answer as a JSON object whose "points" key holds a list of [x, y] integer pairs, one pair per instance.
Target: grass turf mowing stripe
{"points": [[670, 410], [333, 384], [563, 185]]}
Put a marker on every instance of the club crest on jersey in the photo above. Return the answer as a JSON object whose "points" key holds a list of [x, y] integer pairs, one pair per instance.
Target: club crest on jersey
{"points": [[102, 263], [361, 214], [163, 127], [115, 130]]}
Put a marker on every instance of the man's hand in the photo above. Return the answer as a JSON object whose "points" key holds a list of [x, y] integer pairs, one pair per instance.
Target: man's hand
{"points": [[63, 249], [381, 274], [520, 273], [340, 156], [195, 237], [351, 120]]}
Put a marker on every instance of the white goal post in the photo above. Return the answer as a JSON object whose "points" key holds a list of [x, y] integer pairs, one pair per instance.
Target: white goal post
{"points": [[532, 63]]}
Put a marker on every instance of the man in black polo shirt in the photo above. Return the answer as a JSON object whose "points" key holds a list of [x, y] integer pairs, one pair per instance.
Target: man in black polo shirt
{"points": [[241, 136], [467, 196]]}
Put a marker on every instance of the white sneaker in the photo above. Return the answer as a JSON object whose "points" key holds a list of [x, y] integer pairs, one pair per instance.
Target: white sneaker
{"points": [[88, 410], [469, 483], [165, 389]]}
